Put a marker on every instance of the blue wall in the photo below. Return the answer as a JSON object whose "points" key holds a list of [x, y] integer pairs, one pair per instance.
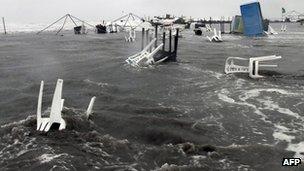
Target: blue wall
{"points": [[252, 19]]}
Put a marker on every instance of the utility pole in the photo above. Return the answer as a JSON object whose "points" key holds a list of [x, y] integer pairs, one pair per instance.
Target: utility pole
{"points": [[4, 28]]}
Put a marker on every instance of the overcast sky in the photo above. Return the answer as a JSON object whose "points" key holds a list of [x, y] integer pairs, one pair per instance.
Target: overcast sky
{"points": [[45, 11]]}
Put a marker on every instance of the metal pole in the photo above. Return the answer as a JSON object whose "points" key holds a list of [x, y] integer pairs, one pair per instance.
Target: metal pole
{"points": [[82, 21], [147, 37], [51, 24], [164, 40], [156, 27], [4, 25], [142, 38], [175, 45], [170, 40], [72, 20]]}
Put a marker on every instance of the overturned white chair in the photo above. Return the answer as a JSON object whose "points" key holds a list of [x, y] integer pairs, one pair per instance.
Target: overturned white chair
{"points": [[253, 67], [45, 124], [145, 57], [216, 37]]}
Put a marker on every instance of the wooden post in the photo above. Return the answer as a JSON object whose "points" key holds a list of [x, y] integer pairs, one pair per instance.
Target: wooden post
{"points": [[222, 26], [142, 39], [164, 40], [230, 27], [4, 27], [170, 40], [150, 40], [147, 37], [175, 45], [156, 27]]}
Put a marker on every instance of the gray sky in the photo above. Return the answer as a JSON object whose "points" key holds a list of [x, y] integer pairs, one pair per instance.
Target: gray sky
{"points": [[45, 11]]}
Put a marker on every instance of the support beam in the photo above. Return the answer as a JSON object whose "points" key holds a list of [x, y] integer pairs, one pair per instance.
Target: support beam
{"points": [[170, 40], [156, 35], [82, 21], [62, 25], [51, 24], [72, 19], [175, 45], [147, 36], [142, 38], [164, 41], [4, 27]]}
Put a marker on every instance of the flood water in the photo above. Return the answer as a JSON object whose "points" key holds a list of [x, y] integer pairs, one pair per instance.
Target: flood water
{"points": [[185, 115]]}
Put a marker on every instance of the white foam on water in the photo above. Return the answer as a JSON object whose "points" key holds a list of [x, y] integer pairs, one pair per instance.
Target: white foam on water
{"points": [[298, 149], [239, 83], [223, 95], [273, 106], [282, 136], [256, 92], [46, 158], [225, 98], [281, 133]]}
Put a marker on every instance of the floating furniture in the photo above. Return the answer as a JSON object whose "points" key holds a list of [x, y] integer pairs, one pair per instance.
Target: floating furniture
{"points": [[101, 29], [80, 29], [198, 31], [44, 124], [284, 28], [237, 26], [55, 119], [153, 53], [216, 37], [252, 19], [252, 67], [131, 36], [271, 31], [77, 28]]}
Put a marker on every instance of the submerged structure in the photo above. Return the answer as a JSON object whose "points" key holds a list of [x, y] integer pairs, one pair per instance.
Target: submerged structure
{"points": [[55, 120], [78, 29], [252, 67], [152, 53]]}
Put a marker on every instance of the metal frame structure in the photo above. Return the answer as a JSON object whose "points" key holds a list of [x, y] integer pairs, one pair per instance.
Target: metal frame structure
{"points": [[126, 18], [64, 18]]}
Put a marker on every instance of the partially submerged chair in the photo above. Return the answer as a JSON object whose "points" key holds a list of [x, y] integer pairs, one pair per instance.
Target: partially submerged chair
{"points": [[254, 64], [216, 37], [145, 58], [284, 28], [45, 124]]}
